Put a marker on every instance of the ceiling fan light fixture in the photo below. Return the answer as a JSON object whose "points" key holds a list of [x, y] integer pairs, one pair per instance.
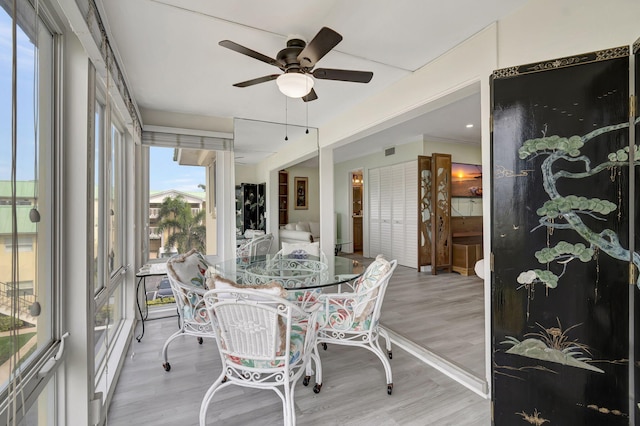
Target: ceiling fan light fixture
{"points": [[295, 84]]}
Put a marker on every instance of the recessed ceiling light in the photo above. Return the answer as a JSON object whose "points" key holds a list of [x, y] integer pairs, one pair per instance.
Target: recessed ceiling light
{"points": [[469, 126]]}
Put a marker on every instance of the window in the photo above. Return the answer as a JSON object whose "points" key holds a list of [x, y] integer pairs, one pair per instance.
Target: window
{"points": [[23, 289], [116, 194], [27, 278], [25, 243], [108, 225], [177, 215]]}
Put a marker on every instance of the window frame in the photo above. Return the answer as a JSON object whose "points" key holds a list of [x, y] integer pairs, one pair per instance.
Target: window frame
{"points": [[37, 371], [108, 160]]}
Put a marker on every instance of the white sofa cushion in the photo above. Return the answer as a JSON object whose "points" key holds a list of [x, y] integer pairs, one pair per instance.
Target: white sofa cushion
{"points": [[301, 250], [314, 228], [300, 232], [303, 226]]}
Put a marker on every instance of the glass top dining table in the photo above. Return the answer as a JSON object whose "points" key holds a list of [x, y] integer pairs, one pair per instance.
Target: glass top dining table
{"points": [[294, 273]]}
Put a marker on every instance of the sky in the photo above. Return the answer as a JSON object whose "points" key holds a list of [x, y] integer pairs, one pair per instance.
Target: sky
{"points": [[164, 173], [25, 55]]}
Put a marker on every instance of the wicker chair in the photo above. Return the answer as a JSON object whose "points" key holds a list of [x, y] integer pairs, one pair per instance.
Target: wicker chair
{"points": [[187, 275], [265, 342], [352, 318]]}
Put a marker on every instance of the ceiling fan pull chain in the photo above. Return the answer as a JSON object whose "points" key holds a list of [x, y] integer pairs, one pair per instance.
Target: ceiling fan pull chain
{"points": [[286, 119], [307, 131]]}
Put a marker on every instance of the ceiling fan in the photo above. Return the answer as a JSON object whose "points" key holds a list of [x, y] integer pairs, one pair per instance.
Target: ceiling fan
{"points": [[297, 61]]}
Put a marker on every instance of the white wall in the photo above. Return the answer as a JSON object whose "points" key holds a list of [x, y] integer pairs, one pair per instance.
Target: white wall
{"points": [[549, 29], [460, 152], [312, 214], [186, 121], [247, 174], [78, 380]]}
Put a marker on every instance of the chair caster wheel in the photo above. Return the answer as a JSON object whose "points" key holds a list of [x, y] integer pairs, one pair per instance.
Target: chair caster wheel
{"points": [[200, 340], [166, 366], [317, 387], [389, 389], [224, 379], [390, 355], [324, 346], [305, 381]]}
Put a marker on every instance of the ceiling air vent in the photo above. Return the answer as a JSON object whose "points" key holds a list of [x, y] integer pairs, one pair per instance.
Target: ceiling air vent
{"points": [[389, 151]]}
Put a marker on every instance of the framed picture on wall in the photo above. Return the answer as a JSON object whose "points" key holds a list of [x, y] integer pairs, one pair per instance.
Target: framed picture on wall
{"points": [[466, 180], [300, 185]]}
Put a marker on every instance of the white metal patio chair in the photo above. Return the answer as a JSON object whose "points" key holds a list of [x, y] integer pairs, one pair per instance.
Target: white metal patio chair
{"points": [[187, 275], [300, 252], [265, 342], [257, 246], [352, 318]]}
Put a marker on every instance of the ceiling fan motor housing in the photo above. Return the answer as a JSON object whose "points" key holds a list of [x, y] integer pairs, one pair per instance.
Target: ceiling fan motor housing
{"points": [[289, 55]]}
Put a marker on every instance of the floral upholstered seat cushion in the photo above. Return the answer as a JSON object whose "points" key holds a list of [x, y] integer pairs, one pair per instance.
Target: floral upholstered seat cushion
{"points": [[366, 286], [339, 315], [305, 298], [189, 268], [244, 250], [352, 311]]}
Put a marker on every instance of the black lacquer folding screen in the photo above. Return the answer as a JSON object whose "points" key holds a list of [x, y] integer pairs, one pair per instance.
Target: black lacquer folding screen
{"points": [[250, 207], [562, 256], [636, 233]]}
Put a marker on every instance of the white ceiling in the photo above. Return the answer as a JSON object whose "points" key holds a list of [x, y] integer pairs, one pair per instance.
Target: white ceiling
{"points": [[170, 56]]}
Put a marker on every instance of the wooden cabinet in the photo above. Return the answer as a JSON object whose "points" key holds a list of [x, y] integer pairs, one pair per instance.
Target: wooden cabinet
{"points": [[283, 197], [467, 243], [357, 233], [466, 252]]}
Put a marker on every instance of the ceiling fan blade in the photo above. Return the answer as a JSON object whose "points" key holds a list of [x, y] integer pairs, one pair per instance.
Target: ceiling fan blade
{"points": [[311, 96], [257, 80], [251, 53], [343, 75], [322, 43]]}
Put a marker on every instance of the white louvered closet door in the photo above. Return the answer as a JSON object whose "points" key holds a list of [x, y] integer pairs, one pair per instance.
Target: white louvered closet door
{"points": [[386, 202], [397, 237], [374, 212], [411, 214], [393, 212]]}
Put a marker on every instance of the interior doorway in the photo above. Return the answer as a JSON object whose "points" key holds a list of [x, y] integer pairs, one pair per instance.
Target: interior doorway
{"points": [[357, 209]]}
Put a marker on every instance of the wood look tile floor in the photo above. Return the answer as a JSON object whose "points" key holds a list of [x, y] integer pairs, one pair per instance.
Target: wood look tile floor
{"points": [[442, 312]]}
